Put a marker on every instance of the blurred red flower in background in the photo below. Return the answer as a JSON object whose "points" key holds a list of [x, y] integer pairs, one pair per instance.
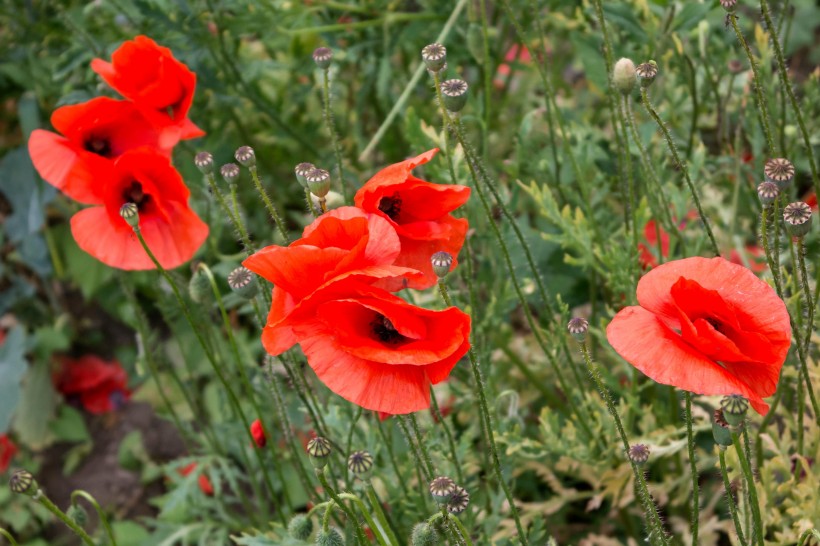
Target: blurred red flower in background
{"points": [[8, 450], [258, 433], [203, 481], [158, 84], [707, 326], [100, 386], [419, 211]]}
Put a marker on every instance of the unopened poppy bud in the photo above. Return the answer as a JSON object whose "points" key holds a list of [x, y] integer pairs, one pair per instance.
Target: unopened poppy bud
{"points": [[734, 409], [318, 182], [331, 537], [578, 327], [728, 5], [241, 281], [441, 262], [767, 192], [230, 172], [638, 454], [647, 72], [322, 57], [246, 156], [442, 488], [434, 57], [77, 514], [300, 527], [360, 463], [459, 500], [720, 430], [204, 161], [454, 93], [623, 76], [780, 171], [319, 450], [424, 534], [301, 170], [797, 217], [23, 483], [199, 287], [131, 214]]}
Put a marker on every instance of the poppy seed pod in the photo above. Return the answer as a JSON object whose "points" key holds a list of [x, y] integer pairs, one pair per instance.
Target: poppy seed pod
{"points": [[578, 327], [204, 161], [734, 409], [240, 280], [720, 430], [454, 93], [638, 454], [322, 57], [319, 450], [767, 192], [647, 72], [360, 463], [230, 172], [331, 537], [301, 170], [623, 76], [131, 214], [780, 171], [728, 5], [797, 217], [23, 483], [441, 262], [245, 156], [318, 182], [459, 500], [442, 488], [434, 57], [300, 527], [424, 534]]}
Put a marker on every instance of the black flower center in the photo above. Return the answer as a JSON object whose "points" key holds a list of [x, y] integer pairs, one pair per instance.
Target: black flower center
{"points": [[133, 193], [99, 146], [385, 332], [391, 206]]}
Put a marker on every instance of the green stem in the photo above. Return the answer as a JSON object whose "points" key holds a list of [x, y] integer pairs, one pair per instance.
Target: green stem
{"points": [[762, 108], [372, 524], [418, 458], [751, 488], [327, 514], [9, 537], [632, 200], [804, 538], [51, 507], [350, 514], [693, 465], [238, 226], [331, 128], [388, 443], [804, 281], [380, 515], [670, 142], [774, 266], [450, 440], [98, 509], [729, 498], [486, 70], [461, 529], [784, 80], [269, 204]]}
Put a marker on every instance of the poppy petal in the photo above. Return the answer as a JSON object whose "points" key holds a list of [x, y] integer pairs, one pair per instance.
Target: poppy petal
{"points": [[66, 167]]}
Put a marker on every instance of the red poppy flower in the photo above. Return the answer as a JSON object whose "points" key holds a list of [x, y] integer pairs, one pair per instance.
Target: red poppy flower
{"points": [[258, 433], [419, 211], [8, 450], [161, 86], [706, 326], [170, 227], [94, 133], [100, 386], [203, 481], [343, 245], [646, 253], [753, 255]]}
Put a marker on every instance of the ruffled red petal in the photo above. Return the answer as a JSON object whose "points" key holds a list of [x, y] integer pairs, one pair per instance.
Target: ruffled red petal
{"points": [[68, 167]]}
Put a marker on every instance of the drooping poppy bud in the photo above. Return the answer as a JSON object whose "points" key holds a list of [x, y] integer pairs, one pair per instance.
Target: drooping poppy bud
{"points": [[300, 527]]}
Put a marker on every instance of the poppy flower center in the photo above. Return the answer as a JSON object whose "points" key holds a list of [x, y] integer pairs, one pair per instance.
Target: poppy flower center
{"points": [[385, 332], [99, 146], [134, 193], [391, 206]]}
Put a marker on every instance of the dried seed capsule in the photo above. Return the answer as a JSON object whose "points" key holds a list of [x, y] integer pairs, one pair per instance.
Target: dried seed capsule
{"points": [[441, 262], [454, 93], [245, 156], [230, 172], [130, 212], [319, 450], [302, 170], [442, 488], [767, 192], [360, 463], [204, 161], [734, 409], [578, 327], [434, 57], [459, 500], [780, 171], [241, 281], [322, 57], [728, 5], [23, 483], [638, 454], [647, 72], [797, 217], [623, 76], [318, 181]]}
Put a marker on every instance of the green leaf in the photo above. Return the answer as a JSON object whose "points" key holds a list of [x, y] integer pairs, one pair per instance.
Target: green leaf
{"points": [[13, 367], [129, 533], [36, 408], [69, 425], [26, 194]]}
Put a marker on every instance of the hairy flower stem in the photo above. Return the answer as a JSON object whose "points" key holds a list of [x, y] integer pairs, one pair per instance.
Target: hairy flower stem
{"points": [[351, 515], [420, 442], [330, 122], [450, 440], [653, 519], [51, 507], [421, 464], [487, 425], [376, 505], [730, 500], [388, 443], [774, 266], [749, 478], [9, 537], [100, 512], [632, 204], [804, 282], [269, 204], [234, 219], [368, 518], [687, 396], [760, 100], [787, 86], [673, 150], [465, 535]]}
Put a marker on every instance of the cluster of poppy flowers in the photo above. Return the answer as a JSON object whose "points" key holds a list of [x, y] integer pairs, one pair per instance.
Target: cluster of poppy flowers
{"points": [[386, 352], [110, 152]]}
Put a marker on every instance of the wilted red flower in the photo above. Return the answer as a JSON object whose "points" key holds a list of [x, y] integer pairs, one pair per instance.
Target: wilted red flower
{"points": [[420, 213], [706, 326], [95, 133], [170, 227], [160, 86], [258, 433], [204, 482], [100, 386], [8, 450]]}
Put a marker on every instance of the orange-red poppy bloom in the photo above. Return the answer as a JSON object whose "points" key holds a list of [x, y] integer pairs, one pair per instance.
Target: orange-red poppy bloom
{"points": [[419, 211], [203, 481], [707, 326], [99, 386], [170, 227], [93, 134], [646, 252], [161, 86], [258, 433], [8, 450]]}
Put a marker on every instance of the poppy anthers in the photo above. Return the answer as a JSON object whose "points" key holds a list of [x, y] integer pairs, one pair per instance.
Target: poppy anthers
{"points": [[707, 326], [419, 211], [100, 386]]}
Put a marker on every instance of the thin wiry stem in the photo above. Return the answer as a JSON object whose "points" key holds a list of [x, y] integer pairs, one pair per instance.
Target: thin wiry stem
{"points": [[694, 468], [730, 500]]}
